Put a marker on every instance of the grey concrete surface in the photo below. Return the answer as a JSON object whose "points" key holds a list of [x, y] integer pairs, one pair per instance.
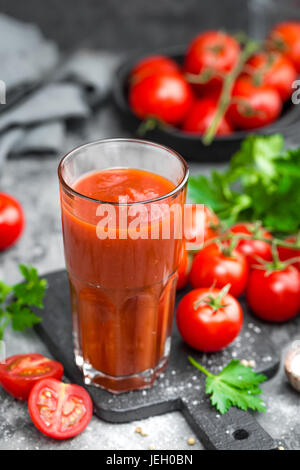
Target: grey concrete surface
{"points": [[34, 182], [117, 24]]}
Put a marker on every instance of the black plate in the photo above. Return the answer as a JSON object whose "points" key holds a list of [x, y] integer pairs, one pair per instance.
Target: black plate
{"points": [[190, 146]]}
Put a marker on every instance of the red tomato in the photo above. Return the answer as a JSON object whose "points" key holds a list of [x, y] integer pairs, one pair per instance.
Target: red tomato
{"points": [[12, 220], [183, 270], [285, 37], [213, 53], [201, 115], [59, 410], [274, 296], [253, 106], [152, 65], [18, 374], [274, 70], [289, 253], [213, 267], [200, 223], [165, 96], [253, 248], [207, 325]]}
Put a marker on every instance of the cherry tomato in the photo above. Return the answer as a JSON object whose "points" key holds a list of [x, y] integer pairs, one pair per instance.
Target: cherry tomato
{"points": [[213, 267], [289, 253], [274, 70], [165, 96], [253, 106], [201, 115], [200, 223], [285, 37], [152, 65], [213, 54], [205, 327], [18, 374], [274, 296], [253, 249], [12, 220], [183, 269], [59, 410]]}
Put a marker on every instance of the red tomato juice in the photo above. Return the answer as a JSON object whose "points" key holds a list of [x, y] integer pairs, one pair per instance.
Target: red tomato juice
{"points": [[122, 289]]}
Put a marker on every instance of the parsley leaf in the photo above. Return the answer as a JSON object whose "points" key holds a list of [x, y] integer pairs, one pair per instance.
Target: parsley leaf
{"points": [[32, 291], [4, 291], [22, 317], [236, 385], [262, 182], [25, 295]]}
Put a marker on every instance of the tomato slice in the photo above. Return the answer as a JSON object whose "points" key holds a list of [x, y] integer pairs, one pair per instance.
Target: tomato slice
{"points": [[59, 410], [18, 374]]}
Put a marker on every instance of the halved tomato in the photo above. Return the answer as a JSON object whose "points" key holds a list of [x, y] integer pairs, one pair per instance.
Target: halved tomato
{"points": [[59, 410], [18, 374]]}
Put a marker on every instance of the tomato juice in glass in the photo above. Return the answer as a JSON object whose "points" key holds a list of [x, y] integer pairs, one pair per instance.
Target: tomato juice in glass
{"points": [[122, 204]]}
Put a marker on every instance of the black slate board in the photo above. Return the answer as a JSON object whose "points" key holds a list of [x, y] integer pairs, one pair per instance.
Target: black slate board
{"points": [[181, 387]]}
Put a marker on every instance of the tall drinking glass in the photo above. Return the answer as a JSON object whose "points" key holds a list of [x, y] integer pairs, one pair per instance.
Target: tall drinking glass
{"points": [[122, 257]]}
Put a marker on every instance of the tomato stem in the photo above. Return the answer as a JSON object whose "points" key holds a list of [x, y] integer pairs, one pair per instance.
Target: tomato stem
{"points": [[240, 236], [276, 261], [214, 302], [200, 367], [228, 83], [147, 125], [227, 250]]}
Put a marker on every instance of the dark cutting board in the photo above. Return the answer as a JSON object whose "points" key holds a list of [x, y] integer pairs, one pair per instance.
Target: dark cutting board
{"points": [[181, 387]]}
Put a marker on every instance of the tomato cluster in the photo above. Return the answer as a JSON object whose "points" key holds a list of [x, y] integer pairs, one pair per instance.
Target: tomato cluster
{"points": [[187, 96], [237, 261], [57, 409]]}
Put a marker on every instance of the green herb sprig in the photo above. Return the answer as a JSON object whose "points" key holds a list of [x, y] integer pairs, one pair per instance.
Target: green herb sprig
{"points": [[16, 300], [262, 183], [236, 385]]}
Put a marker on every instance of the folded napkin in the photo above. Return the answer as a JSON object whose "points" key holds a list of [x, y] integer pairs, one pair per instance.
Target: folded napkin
{"points": [[57, 91]]}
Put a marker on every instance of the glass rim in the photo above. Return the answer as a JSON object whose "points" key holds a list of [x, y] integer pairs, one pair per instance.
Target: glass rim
{"points": [[149, 143]]}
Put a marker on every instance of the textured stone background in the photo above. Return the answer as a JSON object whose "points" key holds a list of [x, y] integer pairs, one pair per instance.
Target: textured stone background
{"points": [[117, 25], [126, 24]]}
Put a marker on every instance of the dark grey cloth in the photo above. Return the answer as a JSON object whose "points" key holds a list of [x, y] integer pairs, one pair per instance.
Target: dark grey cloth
{"points": [[65, 89], [25, 56]]}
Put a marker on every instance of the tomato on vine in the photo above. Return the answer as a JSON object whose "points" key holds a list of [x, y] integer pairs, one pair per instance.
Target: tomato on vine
{"points": [[201, 116], [253, 105], [253, 249], [273, 291], [165, 96], [151, 65], [209, 319], [209, 57], [285, 38], [286, 254], [200, 223], [183, 269], [217, 264], [273, 69]]}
